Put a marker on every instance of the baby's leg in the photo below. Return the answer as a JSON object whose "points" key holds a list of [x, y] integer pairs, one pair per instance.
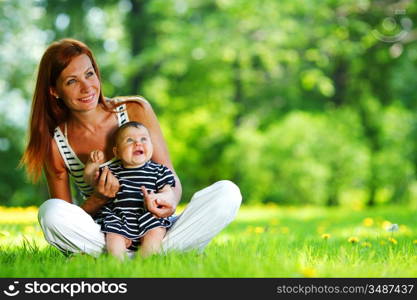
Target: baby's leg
{"points": [[151, 241], [91, 170], [116, 244]]}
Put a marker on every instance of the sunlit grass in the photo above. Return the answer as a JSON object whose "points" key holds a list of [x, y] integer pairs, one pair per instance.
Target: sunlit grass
{"points": [[264, 241]]}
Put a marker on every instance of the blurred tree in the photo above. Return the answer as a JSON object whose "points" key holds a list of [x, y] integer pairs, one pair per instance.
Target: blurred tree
{"points": [[298, 102]]}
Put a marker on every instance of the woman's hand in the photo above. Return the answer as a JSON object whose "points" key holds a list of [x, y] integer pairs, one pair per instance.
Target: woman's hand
{"points": [[106, 187], [107, 184], [161, 204]]}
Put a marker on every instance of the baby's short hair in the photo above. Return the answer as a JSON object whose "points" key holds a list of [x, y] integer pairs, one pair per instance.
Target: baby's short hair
{"points": [[127, 125]]}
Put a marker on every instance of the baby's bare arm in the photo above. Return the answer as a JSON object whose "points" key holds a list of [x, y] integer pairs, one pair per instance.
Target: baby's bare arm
{"points": [[96, 156], [91, 170]]}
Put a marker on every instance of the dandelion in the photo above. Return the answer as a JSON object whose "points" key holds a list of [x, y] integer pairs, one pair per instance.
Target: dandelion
{"points": [[415, 242], [353, 240], [274, 222], [393, 241], [29, 229], [366, 245], [309, 272], [250, 229], [325, 236], [392, 228], [259, 230], [368, 222], [284, 230], [386, 224], [405, 229], [271, 205]]}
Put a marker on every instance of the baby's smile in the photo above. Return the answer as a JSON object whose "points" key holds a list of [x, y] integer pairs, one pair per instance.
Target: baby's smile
{"points": [[138, 152]]}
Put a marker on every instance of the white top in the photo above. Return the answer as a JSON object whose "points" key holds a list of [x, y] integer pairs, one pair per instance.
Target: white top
{"points": [[74, 165]]}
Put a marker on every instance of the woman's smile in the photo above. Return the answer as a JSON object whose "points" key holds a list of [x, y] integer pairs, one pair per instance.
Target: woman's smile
{"points": [[88, 99]]}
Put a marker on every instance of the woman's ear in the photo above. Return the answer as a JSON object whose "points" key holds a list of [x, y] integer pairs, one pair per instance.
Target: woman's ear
{"points": [[53, 92], [115, 151]]}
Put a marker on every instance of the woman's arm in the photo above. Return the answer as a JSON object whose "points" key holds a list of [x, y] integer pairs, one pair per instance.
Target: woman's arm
{"points": [[141, 111], [56, 175], [58, 183], [107, 186]]}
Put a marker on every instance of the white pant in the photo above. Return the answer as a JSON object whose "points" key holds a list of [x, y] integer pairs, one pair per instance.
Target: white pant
{"points": [[69, 228]]}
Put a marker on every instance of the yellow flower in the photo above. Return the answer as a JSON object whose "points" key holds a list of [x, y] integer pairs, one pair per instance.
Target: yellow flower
{"points": [[353, 240], [383, 243], [259, 230], [393, 241], [325, 236], [405, 229], [249, 229], [29, 229], [415, 242], [309, 272], [368, 222], [386, 224], [274, 222], [366, 245], [271, 205], [284, 230]]}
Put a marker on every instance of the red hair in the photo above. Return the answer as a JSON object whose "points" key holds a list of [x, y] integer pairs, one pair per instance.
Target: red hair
{"points": [[47, 113]]}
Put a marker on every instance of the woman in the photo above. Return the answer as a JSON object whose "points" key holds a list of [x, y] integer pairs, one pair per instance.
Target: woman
{"points": [[70, 118]]}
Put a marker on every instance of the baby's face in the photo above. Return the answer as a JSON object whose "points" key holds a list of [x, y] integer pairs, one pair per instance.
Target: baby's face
{"points": [[134, 147]]}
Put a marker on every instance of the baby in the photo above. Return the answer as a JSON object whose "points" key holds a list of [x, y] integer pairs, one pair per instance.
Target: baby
{"points": [[124, 219]]}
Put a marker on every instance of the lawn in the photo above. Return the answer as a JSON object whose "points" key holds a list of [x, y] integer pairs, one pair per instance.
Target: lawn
{"points": [[264, 241]]}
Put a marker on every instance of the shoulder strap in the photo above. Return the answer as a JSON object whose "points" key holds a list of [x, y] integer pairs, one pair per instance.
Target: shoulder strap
{"points": [[122, 116], [71, 160], [119, 99]]}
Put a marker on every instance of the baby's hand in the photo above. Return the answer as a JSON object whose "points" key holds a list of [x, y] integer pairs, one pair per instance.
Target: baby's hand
{"points": [[96, 156], [91, 170], [149, 198]]}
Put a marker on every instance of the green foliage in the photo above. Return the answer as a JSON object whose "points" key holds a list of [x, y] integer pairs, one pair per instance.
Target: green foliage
{"points": [[13, 187], [395, 168], [305, 158], [298, 102]]}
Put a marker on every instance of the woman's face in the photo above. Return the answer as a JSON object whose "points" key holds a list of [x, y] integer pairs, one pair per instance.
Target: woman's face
{"points": [[78, 85]]}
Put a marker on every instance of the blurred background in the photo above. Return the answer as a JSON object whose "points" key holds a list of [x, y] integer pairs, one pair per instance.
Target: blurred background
{"points": [[298, 102]]}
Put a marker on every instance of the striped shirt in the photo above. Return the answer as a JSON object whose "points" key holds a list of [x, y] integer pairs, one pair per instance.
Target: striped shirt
{"points": [[126, 214]]}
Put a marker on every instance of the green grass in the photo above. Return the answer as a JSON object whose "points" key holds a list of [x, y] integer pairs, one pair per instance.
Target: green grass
{"points": [[264, 241]]}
